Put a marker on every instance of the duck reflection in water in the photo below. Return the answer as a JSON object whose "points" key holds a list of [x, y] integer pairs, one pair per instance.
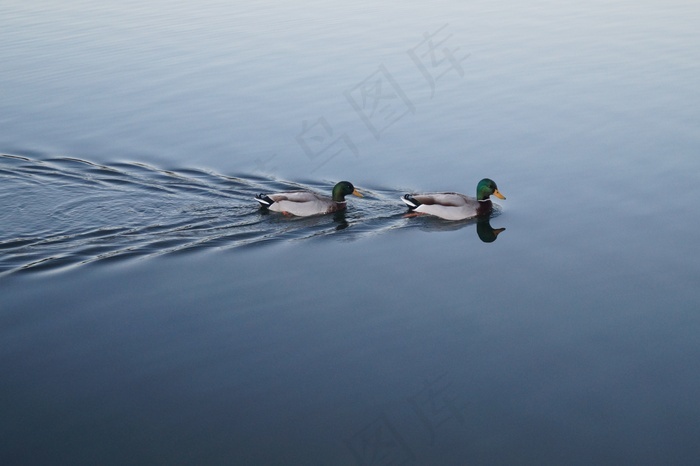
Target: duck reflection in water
{"points": [[484, 230]]}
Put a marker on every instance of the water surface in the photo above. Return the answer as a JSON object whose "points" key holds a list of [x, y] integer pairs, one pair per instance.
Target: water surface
{"points": [[151, 313]]}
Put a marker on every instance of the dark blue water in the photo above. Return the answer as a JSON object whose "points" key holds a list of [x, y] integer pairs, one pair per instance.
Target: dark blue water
{"points": [[151, 313]]}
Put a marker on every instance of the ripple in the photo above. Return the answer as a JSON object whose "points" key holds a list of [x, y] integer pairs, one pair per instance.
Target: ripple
{"points": [[62, 212]]}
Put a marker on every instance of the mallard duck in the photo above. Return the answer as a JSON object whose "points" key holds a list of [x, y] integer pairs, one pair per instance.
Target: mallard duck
{"points": [[305, 203], [455, 206]]}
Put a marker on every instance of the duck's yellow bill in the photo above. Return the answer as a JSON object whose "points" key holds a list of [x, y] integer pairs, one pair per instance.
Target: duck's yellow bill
{"points": [[357, 193], [498, 194]]}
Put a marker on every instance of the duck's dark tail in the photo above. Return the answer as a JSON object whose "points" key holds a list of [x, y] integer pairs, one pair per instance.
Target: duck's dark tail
{"points": [[410, 201], [264, 200]]}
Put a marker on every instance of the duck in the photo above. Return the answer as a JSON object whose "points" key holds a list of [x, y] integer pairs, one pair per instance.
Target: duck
{"points": [[306, 203], [454, 206]]}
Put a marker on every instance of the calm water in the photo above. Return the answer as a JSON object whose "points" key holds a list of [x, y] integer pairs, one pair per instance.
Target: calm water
{"points": [[150, 313]]}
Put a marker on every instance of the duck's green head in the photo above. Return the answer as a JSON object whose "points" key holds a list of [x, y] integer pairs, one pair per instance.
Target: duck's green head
{"points": [[342, 189], [486, 188]]}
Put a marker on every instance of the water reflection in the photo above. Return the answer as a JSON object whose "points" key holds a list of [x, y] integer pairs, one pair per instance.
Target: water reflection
{"points": [[341, 220], [484, 230], [122, 210]]}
